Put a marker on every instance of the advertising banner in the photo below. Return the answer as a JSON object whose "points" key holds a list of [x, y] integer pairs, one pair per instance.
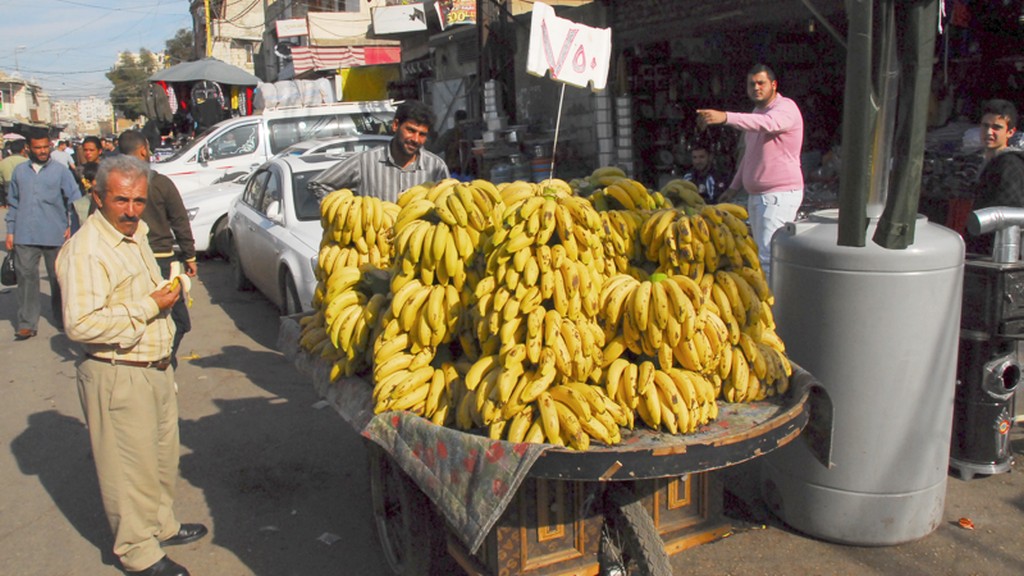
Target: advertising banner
{"points": [[455, 12]]}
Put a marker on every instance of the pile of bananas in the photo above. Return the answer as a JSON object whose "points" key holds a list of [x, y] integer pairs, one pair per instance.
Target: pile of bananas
{"points": [[436, 268], [525, 310], [356, 240], [536, 317]]}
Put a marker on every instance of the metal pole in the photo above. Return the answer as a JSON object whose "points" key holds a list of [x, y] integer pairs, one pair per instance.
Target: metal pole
{"points": [[859, 111], [209, 36], [558, 124]]}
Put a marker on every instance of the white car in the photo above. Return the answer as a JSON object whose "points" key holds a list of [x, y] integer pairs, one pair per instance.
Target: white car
{"points": [[244, 142], [274, 231], [207, 207]]}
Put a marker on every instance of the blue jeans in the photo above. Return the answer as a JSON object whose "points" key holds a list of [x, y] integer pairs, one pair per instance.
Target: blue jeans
{"points": [[769, 212], [26, 264]]}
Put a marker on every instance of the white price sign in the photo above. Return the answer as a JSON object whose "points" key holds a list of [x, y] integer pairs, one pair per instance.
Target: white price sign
{"points": [[572, 53]]}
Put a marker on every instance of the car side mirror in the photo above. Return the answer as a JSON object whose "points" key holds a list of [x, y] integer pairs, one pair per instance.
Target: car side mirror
{"points": [[204, 154], [274, 211]]}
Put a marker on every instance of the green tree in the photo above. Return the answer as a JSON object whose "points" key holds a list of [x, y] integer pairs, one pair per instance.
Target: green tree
{"points": [[181, 48], [130, 78]]}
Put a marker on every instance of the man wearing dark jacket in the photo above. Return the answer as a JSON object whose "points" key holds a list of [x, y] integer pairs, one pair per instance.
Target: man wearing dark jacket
{"points": [[168, 223], [1001, 182]]}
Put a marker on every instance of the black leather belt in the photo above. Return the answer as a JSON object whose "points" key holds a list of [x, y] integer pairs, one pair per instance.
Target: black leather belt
{"points": [[161, 364]]}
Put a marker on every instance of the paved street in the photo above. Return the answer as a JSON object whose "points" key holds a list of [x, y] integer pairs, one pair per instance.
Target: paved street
{"points": [[270, 474], [265, 470]]}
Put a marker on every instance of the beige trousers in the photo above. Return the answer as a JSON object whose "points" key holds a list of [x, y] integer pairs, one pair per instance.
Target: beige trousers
{"points": [[132, 415]]}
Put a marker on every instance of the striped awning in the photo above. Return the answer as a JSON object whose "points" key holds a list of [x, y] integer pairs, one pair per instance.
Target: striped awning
{"points": [[306, 58]]}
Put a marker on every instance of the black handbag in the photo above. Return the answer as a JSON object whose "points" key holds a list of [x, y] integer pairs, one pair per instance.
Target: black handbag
{"points": [[8, 277]]}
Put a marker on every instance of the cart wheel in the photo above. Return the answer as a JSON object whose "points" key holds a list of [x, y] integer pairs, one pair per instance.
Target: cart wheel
{"points": [[630, 543], [408, 528]]}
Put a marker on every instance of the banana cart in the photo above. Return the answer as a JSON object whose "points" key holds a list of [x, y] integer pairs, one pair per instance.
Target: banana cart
{"points": [[443, 496]]}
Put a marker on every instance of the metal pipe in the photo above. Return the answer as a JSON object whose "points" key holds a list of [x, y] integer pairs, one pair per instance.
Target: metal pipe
{"points": [[1006, 223], [859, 112], [888, 91], [985, 220]]}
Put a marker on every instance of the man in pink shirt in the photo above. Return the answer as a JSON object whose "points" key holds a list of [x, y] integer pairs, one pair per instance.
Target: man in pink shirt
{"points": [[769, 171]]}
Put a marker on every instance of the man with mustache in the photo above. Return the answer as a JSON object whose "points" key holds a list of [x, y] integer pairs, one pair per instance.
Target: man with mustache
{"points": [[769, 171], [1001, 182], [38, 222], [117, 306], [388, 171]]}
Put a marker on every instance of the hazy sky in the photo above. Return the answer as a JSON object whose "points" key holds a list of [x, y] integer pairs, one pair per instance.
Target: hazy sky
{"points": [[66, 46]]}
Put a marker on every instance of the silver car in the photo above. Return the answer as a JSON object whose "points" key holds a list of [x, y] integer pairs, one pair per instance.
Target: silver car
{"points": [[208, 206], [274, 231], [337, 146]]}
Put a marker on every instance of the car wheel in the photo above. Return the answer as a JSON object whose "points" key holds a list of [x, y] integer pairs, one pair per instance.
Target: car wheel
{"points": [[219, 239], [238, 276], [290, 303]]}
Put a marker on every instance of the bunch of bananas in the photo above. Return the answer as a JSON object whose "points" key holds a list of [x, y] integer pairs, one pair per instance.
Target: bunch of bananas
{"points": [[357, 230], [341, 329], [437, 232], [622, 239], [682, 193], [422, 382], [627, 194]]}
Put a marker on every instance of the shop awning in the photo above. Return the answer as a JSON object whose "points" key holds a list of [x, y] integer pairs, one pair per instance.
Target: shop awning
{"points": [[306, 58]]}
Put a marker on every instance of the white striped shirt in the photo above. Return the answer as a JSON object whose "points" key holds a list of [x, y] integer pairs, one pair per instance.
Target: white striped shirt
{"points": [[375, 173]]}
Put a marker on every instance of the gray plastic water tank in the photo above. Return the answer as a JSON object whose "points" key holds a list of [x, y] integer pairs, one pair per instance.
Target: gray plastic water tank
{"points": [[879, 329]]}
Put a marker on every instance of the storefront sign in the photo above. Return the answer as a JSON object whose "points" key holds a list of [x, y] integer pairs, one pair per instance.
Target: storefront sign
{"points": [[572, 53], [397, 19], [455, 12], [292, 27]]}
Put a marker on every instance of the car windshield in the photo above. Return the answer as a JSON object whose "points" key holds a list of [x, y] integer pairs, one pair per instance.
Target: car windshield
{"points": [[307, 205], [188, 147]]}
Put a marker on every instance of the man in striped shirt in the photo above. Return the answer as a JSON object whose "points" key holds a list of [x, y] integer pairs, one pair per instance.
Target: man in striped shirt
{"points": [[387, 171], [117, 306]]}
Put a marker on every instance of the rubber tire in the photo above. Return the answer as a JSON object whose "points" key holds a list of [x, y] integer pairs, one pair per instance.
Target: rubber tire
{"points": [[238, 277], [405, 519], [220, 239], [637, 535], [290, 303]]}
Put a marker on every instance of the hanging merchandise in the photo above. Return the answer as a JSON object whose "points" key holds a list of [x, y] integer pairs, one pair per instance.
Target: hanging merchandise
{"points": [[161, 104], [206, 90], [172, 98]]}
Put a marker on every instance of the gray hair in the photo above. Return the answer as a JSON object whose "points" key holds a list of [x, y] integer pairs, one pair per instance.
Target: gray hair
{"points": [[125, 165]]}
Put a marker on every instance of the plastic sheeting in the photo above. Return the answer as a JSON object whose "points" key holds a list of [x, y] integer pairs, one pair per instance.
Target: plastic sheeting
{"points": [[293, 94]]}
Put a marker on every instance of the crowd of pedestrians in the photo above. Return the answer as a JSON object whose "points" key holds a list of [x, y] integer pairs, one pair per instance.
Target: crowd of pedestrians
{"points": [[107, 229]]}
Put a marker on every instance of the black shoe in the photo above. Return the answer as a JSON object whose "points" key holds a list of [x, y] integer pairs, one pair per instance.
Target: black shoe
{"points": [[187, 533], [24, 334], [164, 567]]}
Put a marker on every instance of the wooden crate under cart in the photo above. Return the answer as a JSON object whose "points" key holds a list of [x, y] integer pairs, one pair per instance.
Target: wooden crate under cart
{"points": [[551, 528]]}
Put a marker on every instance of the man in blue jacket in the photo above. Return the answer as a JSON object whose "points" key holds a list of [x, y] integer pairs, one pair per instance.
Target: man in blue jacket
{"points": [[38, 223]]}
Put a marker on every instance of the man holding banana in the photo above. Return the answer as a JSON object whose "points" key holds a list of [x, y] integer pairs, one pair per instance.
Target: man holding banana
{"points": [[117, 305]]}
